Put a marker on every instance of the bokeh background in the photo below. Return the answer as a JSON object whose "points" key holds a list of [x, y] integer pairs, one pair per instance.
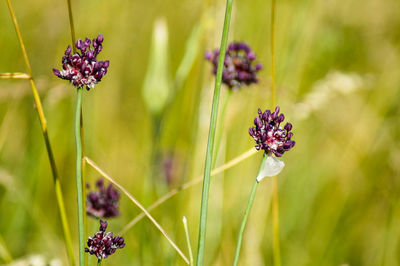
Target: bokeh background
{"points": [[146, 124]]}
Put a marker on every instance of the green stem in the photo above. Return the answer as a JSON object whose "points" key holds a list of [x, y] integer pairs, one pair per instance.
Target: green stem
{"points": [[98, 262], [71, 25], [211, 136], [275, 221], [275, 192], [185, 226], [220, 126], [246, 215], [79, 177], [43, 123], [273, 53]]}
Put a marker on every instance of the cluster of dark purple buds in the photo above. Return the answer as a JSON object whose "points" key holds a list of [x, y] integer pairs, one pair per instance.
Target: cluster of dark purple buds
{"points": [[239, 67], [269, 136], [103, 202], [83, 69], [103, 244]]}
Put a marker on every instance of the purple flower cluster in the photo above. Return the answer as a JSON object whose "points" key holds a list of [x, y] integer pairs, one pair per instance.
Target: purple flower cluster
{"points": [[102, 203], [103, 244], [269, 136], [239, 69], [83, 69]]}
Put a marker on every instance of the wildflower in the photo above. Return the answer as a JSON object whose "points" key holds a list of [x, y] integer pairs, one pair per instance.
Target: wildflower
{"points": [[268, 134], [103, 244], [82, 68], [102, 203], [239, 69]]}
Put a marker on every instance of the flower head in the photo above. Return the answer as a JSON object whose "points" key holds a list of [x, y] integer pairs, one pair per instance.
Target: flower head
{"points": [[82, 68], [268, 134], [239, 69], [103, 244], [103, 202]]}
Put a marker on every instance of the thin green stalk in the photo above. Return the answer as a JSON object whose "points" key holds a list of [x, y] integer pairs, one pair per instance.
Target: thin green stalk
{"points": [[211, 136], [273, 7], [71, 25], [275, 192], [220, 125], [43, 123], [246, 215], [185, 226], [98, 262], [79, 177], [73, 39]]}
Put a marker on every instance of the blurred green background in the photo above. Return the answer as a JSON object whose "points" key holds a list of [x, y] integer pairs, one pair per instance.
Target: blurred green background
{"points": [[338, 77]]}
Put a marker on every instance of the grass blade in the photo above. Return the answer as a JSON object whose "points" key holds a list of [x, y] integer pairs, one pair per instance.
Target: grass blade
{"points": [[211, 137], [43, 123]]}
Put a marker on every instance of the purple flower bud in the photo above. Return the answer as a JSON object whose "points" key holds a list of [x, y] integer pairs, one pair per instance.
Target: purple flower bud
{"points": [[104, 202], [78, 45], [251, 132], [68, 51], [251, 55], [281, 118], [81, 69], [103, 225], [266, 115], [288, 127], [239, 69], [208, 55], [87, 42], [103, 244], [243, 46], [56, 72], [268, 134], [100, 38], [258, 122]]}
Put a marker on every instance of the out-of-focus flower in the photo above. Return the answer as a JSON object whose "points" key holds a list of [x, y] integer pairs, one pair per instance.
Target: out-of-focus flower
{"points": [[334, 84], [239, 67], [82, 68], [103, 244], [103, 202], [268, 134]]}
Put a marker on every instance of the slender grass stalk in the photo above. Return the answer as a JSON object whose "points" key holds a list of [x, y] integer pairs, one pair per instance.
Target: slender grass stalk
{"points": [[246, 214], [79, 177], [73, 39], [187, 185], [14, 76], [139, 205], [275, 221], [220, 125], [43, 123], [185, 226], [71, 25], [211, 136], [273, 76], [275, 192]]}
